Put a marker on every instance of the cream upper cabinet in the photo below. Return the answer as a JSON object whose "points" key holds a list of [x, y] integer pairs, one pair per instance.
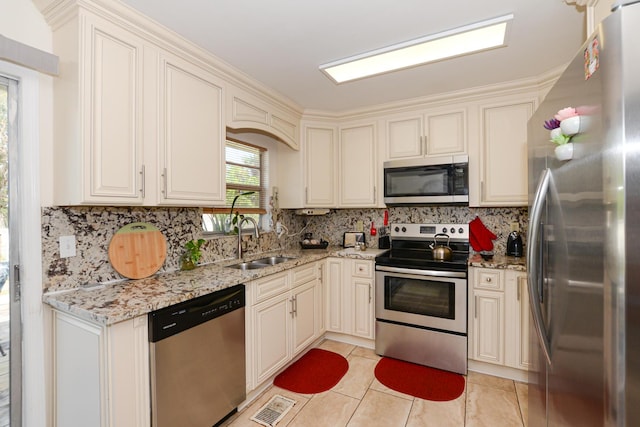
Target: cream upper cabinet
{"points": [[247, 111], [191, 134], [98, 154], [434, 133], [501, 170], [357, 162], [320, 160]]}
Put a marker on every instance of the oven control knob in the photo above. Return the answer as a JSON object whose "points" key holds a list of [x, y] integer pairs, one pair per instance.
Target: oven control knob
{"points": [[397, 229], [453, 230], [460, 230], [444, 230], [404, 229]]}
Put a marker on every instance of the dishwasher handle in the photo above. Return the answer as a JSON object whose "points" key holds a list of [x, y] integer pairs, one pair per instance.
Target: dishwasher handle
{"points": [[176, 318]]}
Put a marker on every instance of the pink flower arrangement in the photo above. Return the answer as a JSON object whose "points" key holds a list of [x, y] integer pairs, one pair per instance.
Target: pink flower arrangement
{"points": [[566, 113]]}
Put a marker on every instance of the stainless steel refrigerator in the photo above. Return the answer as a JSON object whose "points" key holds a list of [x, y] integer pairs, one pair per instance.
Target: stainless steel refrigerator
{"points": [[583, 246]]}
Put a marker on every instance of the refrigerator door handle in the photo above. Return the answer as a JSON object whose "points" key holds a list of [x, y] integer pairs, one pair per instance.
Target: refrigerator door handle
{"points": [[533, 260]]}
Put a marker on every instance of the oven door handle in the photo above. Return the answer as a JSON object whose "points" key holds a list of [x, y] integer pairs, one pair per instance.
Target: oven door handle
{"points": [[416, 272]]}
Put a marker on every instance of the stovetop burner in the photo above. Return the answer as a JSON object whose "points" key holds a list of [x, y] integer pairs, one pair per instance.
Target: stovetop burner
{"points": [[411, 246]]}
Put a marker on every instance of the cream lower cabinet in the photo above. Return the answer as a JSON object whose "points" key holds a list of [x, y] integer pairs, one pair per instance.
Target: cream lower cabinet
{"points": [[499, 317], [283, 317], [101, 373], [350, 297]]}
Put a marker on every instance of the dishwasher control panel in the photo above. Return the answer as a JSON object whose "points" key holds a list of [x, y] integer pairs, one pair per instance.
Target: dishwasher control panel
{"points": [[179, 317]]}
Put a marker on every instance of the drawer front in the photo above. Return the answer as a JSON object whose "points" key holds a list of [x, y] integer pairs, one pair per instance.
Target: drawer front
{"points": [[486, 278], [270, 286], [362, 268], [304, 274]]}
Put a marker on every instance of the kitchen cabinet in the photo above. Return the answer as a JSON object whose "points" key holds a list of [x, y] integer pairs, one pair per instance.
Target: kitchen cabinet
{"points": [[517, 325], [499, 319], [247, 111], [501, 178], [283, 318], [101, 372], [309, 176], [357, 148], [191, 134], [350, 296], [437, 132], [98, 102], [488, 315], [134, 123]]}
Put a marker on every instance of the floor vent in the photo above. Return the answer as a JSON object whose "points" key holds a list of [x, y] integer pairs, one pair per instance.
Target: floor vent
{"points": [[273, 411]]}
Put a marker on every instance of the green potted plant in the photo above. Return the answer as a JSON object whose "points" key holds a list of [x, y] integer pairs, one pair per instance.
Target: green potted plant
{"points": [[192, 254], [234, 219]]}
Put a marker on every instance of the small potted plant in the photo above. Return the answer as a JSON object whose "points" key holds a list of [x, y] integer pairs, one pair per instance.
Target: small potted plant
{"points": [[192, 254], [234, 219]]}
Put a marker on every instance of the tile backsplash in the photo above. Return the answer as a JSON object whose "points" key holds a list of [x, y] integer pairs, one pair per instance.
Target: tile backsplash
{"points": [[93, 228]]}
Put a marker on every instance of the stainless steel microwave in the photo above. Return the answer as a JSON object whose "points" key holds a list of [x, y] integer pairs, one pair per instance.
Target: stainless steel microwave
{"points": [[436, 180]]}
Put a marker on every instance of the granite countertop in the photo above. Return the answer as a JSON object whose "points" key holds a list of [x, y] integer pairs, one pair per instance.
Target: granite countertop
{"points": [[499, 261], [107, 304]]}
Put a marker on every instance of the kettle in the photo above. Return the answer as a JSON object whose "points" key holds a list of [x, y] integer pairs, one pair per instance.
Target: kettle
{"points": [[514, 244]]}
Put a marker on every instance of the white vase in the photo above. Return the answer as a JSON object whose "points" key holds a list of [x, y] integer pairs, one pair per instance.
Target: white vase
{"points": [[571, 126], [554, 132], [564, 151]]}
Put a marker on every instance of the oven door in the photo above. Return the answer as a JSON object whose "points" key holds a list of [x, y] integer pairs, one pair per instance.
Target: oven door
{"points": [[422, 298]]}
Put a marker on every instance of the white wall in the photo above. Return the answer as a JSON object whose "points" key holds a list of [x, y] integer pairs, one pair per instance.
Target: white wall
{"points": [[21, 21]]}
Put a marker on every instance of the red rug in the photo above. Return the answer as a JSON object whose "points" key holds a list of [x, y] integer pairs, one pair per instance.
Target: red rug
{"points": [[419, 381], [317, 371]]}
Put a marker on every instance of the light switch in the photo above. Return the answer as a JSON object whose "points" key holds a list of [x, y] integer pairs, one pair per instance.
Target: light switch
{"points": [[67, 246]]}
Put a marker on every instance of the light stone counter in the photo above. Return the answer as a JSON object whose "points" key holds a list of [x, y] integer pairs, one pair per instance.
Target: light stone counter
{"points": [[499, 261], [107, 304]]}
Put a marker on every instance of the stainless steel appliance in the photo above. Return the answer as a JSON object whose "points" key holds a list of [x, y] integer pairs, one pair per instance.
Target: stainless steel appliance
{"points": [[584, 238], [435, 180], [198, 360], [421, 303]]}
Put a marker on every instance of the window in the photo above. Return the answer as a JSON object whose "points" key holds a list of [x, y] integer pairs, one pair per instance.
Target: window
{"points": [[246, 184]]}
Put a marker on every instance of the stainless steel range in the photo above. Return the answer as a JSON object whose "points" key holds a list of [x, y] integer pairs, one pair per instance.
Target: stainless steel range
{"points": [[421, 302]]}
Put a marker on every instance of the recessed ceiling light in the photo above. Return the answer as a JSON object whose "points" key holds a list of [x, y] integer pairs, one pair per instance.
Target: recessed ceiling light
{"points": [[471, 38]]}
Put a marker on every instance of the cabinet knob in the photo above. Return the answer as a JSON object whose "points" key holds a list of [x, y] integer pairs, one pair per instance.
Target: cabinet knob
{"points": [[488, 279]]}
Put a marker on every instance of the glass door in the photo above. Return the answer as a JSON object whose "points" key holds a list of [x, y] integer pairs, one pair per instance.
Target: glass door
{"points": [[10, 364]]}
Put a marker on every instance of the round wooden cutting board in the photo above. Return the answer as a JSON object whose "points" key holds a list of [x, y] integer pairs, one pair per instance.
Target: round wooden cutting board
{"points": [[137, 250]]}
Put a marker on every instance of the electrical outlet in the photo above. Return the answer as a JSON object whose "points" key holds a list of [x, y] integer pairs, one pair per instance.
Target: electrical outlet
{"points": [[67, 246], [359, 226], [515, 226]]}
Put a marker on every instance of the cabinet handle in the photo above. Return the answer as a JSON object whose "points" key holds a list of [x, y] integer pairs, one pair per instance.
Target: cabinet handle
{"points": [[374, 194], [521, 280], [488, 279], [142, 177], [164, 181], [424, 145], [475, 307], [481, 191], [321, 278], [306, 194], [369, 292], [295, 302], [292, 310]]}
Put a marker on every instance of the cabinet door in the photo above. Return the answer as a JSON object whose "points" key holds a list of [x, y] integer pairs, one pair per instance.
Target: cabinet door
{"points": [[446, 133], [111, 119], [304, 325], [271, 329], [335, 300], [522, 323], [488, 326], [320, 159], [363, 316], [358, 166], [192, 135], [503, 154], [404, 137]]}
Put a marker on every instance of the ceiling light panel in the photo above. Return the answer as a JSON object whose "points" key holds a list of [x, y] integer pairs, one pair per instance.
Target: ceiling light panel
{"points": [[472, 38]]}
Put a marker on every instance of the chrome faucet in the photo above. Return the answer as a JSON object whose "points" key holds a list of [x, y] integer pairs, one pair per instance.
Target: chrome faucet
{"points": [[256, 233]]}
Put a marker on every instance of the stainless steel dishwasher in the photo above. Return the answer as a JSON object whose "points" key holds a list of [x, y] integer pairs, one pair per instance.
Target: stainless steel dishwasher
{"points": [[198, 360]]}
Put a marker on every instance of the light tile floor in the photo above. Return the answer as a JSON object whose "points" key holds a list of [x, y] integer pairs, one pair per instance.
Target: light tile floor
{"points": [[360, 400]]}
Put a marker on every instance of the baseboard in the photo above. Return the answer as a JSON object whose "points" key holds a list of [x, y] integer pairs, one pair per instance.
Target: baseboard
{"points": [[499, 371]]}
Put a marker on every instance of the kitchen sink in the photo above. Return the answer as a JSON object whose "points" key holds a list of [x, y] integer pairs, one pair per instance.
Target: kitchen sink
{"points": [[272, 260], [260, 263]]}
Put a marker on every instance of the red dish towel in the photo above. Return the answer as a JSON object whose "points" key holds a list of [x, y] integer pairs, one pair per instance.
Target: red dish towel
{"points": [[480, 237]]}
